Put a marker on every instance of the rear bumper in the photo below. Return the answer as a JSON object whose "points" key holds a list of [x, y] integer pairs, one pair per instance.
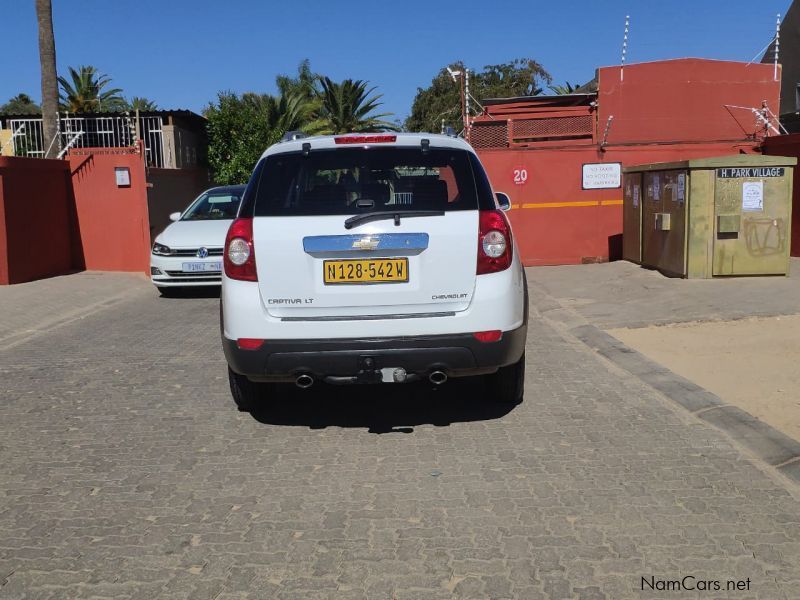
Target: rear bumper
{"points": [[455, 354]]}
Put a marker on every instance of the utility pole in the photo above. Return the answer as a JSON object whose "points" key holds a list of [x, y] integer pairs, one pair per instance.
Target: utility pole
{"points": [[462, 83]]}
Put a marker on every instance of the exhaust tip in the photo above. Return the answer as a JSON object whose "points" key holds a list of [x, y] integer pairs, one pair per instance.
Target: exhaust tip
{"points": [[304, 381], [437, 377]]}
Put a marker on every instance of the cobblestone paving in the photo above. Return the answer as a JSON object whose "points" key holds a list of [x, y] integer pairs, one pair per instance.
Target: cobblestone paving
{"points": [[126, 472]]}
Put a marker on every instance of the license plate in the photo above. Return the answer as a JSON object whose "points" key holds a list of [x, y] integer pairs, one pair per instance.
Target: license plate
{"points": [[194, 267], [377, 270]]}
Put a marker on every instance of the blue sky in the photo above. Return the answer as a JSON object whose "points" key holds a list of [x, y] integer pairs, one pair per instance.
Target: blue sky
{"points": [[180, 53]]}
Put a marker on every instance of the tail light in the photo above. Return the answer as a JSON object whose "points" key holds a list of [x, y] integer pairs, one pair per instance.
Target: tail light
{"points": [[495, 245], [240, 254]]}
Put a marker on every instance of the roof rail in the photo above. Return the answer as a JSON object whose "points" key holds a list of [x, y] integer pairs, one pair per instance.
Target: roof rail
{"points": [[290, 136]]}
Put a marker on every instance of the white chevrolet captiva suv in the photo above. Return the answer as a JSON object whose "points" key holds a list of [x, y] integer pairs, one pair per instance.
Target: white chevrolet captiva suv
{"points": [[378, 258]]}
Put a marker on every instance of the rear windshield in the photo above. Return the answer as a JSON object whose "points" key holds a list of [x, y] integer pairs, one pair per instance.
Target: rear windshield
{"points": [[357, 180]]}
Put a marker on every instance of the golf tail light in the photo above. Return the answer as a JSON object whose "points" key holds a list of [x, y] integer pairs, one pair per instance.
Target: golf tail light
{"points": [[240, 254], [495, 246]]}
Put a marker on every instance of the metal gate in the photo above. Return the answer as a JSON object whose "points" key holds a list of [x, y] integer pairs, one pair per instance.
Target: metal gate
{"points": [[91, 132]]}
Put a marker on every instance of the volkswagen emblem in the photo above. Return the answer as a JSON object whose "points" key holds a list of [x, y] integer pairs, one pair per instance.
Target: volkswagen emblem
{"points": [[202, 252]]}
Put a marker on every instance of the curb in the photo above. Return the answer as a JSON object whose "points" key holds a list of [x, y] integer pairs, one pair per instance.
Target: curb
{"points": [[768, 444]]}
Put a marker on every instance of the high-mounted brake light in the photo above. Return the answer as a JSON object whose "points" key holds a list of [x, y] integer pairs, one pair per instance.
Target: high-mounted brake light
{"points": [[495, 245], [239, 259], [365, 139]]}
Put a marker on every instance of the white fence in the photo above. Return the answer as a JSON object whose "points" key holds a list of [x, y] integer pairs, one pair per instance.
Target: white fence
{"points": [[90, 132]]}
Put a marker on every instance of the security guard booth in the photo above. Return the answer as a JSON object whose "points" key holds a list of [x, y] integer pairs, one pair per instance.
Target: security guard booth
{"points": [[711, 217]]}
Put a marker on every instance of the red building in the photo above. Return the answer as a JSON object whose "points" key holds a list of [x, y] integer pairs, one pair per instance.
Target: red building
{"points": [[559, 157]]}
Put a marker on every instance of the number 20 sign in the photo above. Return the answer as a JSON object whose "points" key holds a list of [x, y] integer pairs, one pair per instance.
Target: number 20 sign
{"points": [[520, 175]]}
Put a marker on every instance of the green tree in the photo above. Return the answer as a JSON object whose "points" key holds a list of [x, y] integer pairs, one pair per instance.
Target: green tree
{"points": [[519, 77], [240, 128], [561, 90], [440, 101], [47, 68], [141, 104], [306, 85], [349, 107], [442, 98], [21, 104], [87, 92]]}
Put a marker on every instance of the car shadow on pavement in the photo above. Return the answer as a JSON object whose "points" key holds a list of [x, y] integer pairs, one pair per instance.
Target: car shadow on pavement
{"points": [[190, 292], [381, 408]]}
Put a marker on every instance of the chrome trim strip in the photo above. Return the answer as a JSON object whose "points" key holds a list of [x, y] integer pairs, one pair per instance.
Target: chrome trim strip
{"points": [[407, 243], [371, 317]]}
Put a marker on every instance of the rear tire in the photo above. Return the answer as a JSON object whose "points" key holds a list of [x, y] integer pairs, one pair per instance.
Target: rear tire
{"points": [[507, 385], [246, 394]]}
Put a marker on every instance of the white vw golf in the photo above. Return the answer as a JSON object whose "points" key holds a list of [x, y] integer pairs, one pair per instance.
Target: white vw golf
{"points": [[189, 251], [380, 258]]}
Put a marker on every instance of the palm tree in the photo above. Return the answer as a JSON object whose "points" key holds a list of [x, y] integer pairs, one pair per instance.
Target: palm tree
{"points": [[141, 104], [47, 66], [85, 93], [21, 104], [346, 107], [306, 85], [561, 90], [276, 114]]}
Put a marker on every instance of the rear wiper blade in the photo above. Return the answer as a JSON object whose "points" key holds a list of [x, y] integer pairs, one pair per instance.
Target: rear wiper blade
{"points": [[389, 214]]}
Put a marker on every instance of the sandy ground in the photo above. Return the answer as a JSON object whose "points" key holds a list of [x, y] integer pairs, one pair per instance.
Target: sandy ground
{"points": [[751, 363]]}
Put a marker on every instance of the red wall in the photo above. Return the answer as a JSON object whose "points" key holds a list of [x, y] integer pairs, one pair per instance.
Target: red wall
{"points": [[556, 221], [663, 111], [789, 145], [36, 218], [57, 216], [684, 100], [112, 221]]}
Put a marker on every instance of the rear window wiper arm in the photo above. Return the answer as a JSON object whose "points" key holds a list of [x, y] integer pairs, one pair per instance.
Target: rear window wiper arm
{"points": [[389, 214]]}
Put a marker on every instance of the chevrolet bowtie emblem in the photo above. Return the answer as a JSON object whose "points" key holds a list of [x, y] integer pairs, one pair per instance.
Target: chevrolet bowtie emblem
{"points": [[366, 243]]}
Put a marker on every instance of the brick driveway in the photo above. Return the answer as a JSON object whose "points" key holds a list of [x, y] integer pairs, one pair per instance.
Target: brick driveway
{"points": [[126, 472]]}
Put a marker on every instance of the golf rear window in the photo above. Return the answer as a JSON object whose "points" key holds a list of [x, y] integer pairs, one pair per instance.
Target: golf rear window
{"points": [[352, 181]]}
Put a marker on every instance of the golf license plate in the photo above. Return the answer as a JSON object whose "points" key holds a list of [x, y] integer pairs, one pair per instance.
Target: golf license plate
{"points": [[201, 267], [375, 270]]}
